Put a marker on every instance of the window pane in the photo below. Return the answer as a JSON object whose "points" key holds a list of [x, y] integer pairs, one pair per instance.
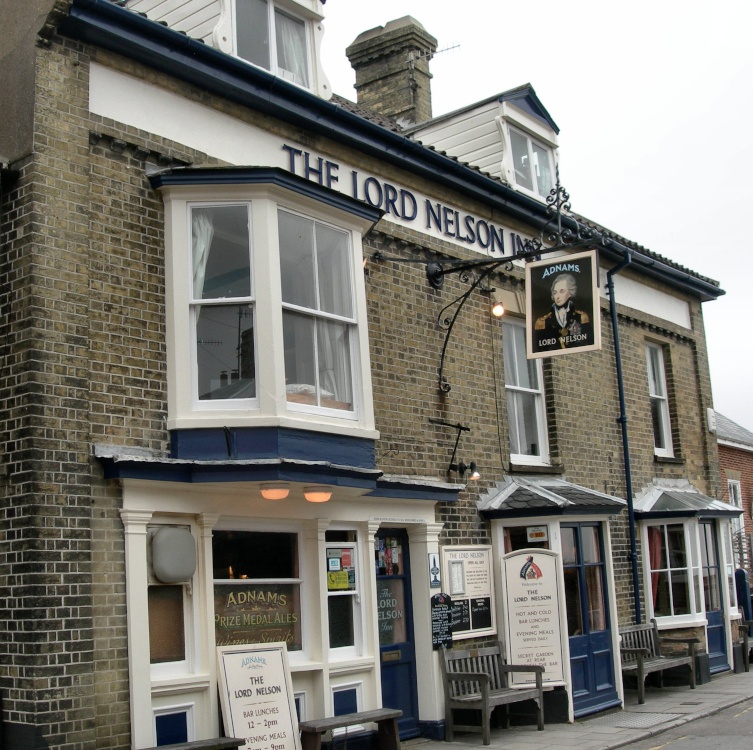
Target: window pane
{"points": [[341, 631], [166, 627], [254, 555], [225, 351], [300, 365], [520, 371], [676, 541], [252, 31], [335, 379], [662, 600], [542, 168], [521, 159], [597, 619], [590, 538], [657, 421], [290, 36], [711, 589], [220, 245], [656, 548], [391, 612], [655, 372], [333, 271], [297, 260], [573, 602], [524, 433], [569, 550], [680, 592]]}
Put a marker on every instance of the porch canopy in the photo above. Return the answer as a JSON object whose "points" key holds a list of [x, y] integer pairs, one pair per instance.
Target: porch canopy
{"points": [[525, 496]]}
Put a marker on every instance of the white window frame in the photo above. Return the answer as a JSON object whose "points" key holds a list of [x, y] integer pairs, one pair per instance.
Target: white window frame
{"points": [[274, 7], [693, 569], [541, 191], [270, 406], [659, 399], [357, 649], [735, 496], [539, 401]]}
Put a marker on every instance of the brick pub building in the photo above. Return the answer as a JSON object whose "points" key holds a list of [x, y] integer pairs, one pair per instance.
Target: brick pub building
{"points": [[237, 408]]}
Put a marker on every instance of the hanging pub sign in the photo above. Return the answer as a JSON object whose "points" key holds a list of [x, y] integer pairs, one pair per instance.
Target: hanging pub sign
{"points": [[563, 314]]}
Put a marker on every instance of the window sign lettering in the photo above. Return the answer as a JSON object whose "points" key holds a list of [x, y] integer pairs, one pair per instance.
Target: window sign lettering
{"points": [[468, 571], [391, 612], [256, 693], [257, 613], [532, 608]]}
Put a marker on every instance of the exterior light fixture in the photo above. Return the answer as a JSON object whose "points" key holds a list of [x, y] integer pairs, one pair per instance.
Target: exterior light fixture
{"points": [[462, 468], [498, 304], [274, 491], [317, 494]]}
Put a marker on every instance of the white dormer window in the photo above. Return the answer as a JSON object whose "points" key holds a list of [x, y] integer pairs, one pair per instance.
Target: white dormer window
{"points": [[273, 38], [533, 163]]}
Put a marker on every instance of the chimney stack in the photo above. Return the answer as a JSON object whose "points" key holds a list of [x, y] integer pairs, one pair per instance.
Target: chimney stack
{"points": [[392, 69]]}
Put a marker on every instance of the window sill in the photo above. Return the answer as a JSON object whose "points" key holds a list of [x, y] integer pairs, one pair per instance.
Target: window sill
{"points": [[514, 468], [668, 460]]}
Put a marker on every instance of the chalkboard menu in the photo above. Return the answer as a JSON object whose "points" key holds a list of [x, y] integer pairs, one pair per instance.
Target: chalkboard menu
{"points": [[441, 620], [256, 694], [461, 616], [481, 613]]}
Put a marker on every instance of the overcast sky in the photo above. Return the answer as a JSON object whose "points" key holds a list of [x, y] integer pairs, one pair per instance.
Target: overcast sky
{"points": [[654, 101]]}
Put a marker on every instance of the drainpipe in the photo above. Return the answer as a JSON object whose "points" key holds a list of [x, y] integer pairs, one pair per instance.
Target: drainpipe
{"points": [[622, 419]]}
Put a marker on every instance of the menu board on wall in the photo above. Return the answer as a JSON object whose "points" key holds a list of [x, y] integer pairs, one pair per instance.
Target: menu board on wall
{"points": [[532, 606], [256, 694], [467, 578]]}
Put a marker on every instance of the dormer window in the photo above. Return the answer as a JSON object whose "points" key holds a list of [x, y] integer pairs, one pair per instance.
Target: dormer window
{"points": [[533, 163], [273, 38]]}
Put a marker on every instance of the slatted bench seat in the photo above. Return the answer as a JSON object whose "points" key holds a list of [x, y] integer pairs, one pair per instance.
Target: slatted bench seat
{"points": [[641, 654], [220, 743], [388, 737], [479, 679]]}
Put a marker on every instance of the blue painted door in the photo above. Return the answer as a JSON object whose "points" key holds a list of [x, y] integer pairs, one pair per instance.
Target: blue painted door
{"points": [[589, 631], [395, 616], [716, 633]]}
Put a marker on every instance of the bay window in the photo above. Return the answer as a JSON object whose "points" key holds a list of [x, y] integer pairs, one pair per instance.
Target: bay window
{"points": [[266, 310], [317, 312], [671, 572]]}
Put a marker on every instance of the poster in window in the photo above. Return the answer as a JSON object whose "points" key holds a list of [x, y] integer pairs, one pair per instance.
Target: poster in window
{"points": [[563, 313], [468, 573]]}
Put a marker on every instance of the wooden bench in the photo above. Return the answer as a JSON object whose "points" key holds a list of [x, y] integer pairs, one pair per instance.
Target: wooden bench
{"points": [[479, 679], [744, 641], [388, 737], [641, 654], [220, 743]]}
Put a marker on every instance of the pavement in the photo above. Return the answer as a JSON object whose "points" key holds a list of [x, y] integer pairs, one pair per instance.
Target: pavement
{"points": [[665, 708]]}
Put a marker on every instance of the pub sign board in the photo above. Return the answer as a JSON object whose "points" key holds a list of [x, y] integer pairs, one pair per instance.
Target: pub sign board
{"points": [[534, 615], [256, 693], [562, 299]]}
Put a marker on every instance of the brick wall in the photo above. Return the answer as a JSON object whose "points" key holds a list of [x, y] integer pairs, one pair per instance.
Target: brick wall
{"points": [[738, 464]]}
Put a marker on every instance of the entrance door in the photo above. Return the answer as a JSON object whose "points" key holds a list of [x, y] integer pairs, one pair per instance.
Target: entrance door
{"points": [[590, 637], [395, 615], [716, 634]]}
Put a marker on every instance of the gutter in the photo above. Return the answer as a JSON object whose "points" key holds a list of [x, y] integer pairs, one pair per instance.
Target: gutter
{"points": [[125, 32]]}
